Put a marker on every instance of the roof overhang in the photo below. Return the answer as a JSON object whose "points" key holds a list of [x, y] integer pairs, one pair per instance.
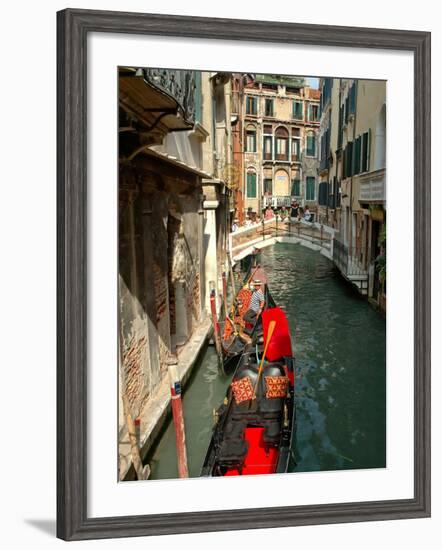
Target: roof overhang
{"points": [[149, 104]]}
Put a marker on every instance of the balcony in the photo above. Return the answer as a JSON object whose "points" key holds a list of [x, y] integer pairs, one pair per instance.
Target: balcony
{"points": [[277, 201], [160, 100], [372, 189]]}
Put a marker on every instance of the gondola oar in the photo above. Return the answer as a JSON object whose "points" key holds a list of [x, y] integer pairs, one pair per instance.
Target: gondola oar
{"points": [[271, 328]]}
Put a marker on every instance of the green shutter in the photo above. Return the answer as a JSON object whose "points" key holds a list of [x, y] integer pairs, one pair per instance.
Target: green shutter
{"points": [[364, 167], [198, 97], [251, 185], [352, 99], [311, 145], [344, 162], [297, 110], [251, 105], [310, 188], [296, 187], [349, 170], [357, 156]]}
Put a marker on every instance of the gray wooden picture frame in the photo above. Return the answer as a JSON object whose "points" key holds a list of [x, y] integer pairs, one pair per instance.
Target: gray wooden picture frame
{"points": [[73, 27]]}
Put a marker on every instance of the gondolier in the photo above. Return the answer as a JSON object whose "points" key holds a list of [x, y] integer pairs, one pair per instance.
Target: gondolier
{"points": [[257, 302], [244, 328]]}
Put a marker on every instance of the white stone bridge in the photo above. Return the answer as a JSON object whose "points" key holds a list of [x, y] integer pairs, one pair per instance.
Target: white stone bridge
{"points": [[259, 235], [351, 262]]}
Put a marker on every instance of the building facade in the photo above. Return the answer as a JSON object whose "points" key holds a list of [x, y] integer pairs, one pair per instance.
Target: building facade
{"points": [[277, 120], [174, 215], [352, 179]]}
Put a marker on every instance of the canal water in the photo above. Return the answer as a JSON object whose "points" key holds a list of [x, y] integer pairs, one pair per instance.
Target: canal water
{"points": [[339, 344]]}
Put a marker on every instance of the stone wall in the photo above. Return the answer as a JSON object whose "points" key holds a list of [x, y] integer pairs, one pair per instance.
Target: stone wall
{"points": [[158, 236]]}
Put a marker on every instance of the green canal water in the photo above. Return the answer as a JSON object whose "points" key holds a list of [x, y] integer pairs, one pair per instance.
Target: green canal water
{"points": [[339, 344]]}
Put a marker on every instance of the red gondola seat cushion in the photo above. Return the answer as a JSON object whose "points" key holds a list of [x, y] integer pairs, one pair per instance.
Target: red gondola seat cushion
{"points": [[242, 390], [276, 386]]}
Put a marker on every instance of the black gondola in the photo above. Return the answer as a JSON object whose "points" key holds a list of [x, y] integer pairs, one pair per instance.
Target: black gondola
{"points": [[254, 430]]}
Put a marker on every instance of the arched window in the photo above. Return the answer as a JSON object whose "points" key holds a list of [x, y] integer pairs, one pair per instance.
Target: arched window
{"points": [[251, 139], [380, 138], [282, 143], [311, 144], [251, 183]]}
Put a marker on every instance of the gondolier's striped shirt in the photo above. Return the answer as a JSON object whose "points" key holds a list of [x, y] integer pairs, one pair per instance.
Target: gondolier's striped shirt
{"points": [[257, 300]]}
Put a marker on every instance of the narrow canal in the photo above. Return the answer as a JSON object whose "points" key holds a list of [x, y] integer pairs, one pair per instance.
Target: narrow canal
{"points": [[339, 344]]}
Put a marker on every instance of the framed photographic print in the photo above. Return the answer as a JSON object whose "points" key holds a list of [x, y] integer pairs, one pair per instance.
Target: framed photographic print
{"points": [[227, 355]]}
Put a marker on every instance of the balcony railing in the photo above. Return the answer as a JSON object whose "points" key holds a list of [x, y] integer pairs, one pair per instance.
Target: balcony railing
{"points": [[350, 260], [282, 157], [277, 201], [373, 187], [180, 85]]}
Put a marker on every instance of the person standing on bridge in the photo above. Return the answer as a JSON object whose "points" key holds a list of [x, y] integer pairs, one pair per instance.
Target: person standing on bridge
{"points": [[269, 213], [294, 211]]}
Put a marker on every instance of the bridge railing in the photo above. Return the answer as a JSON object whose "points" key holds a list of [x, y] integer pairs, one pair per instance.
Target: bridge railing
{"points": [[350, 260], [253, 234]]}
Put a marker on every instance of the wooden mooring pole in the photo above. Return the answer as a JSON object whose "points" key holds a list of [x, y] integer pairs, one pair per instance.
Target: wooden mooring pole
{"points": [[142, 472], [215, 323], [178, 421], [232, 278], [225, 293]]}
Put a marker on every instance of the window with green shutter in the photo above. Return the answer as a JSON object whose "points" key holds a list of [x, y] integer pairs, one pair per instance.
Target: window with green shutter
{"points": [[341, 124], [352, 99], [297, 110], [251, 185], [311, 145], [310, 188], [296, 187], [357, 156], [344, 162], [198, 97], [268, 107], [365, 153], [251, 105], [313, 112], [349, 160]]}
